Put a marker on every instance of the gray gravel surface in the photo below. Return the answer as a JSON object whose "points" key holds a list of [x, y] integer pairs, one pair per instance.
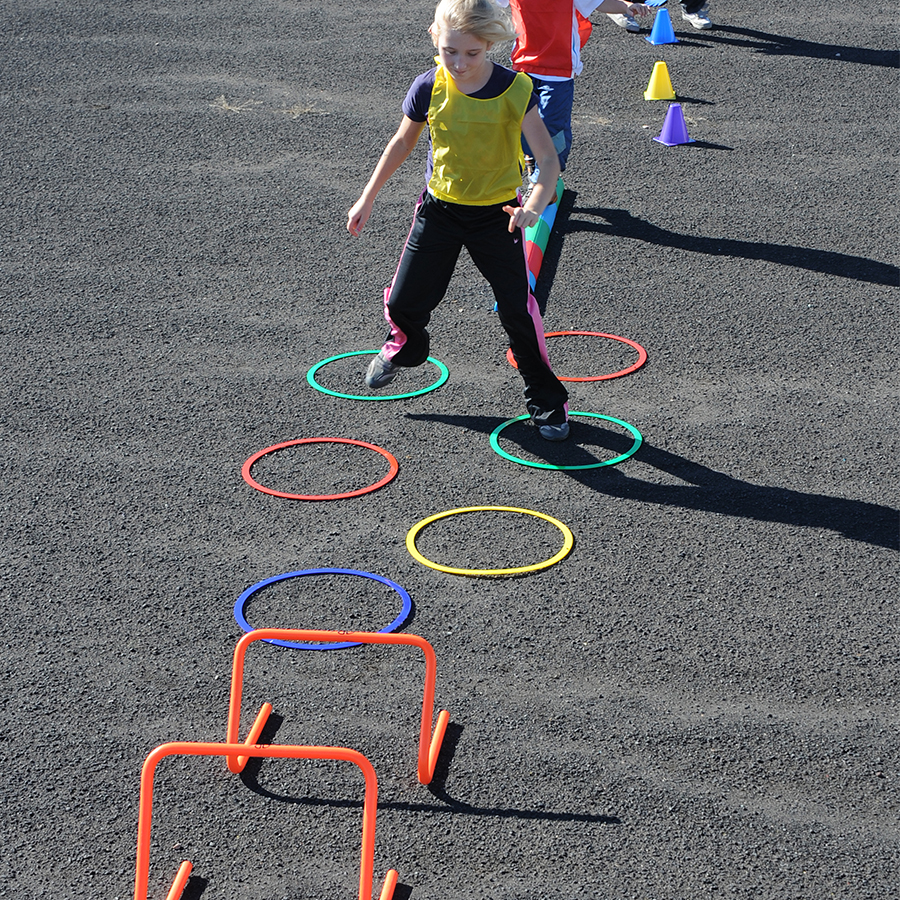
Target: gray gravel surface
{"points": [[700, 701]]}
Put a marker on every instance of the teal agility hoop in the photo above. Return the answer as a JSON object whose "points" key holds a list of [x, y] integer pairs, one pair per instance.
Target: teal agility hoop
{"points": [[638, 440], [311, 378]]}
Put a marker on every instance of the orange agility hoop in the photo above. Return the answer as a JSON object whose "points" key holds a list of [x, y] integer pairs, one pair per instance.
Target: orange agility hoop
{"points": [[248, 465], [429, 744], [195, 748], [642, 355]]}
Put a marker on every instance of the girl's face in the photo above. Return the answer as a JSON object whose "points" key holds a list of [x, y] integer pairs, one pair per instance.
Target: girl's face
{"points": [[464, 56]]}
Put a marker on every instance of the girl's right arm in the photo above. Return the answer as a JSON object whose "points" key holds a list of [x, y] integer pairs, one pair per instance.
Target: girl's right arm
{"points": [[396, 151]]}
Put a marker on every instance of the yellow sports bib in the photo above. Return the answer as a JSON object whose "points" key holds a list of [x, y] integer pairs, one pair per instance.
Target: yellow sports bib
{"points": [[476, 144]]}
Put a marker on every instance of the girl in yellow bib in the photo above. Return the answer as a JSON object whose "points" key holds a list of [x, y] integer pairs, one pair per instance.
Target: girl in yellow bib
{"points": [[476, 113]]}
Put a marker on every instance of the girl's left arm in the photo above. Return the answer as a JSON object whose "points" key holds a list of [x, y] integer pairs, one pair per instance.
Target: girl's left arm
{"points": [[547, 161]]}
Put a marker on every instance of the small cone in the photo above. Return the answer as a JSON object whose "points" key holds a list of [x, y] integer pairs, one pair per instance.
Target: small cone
{"points": [[662, 32], [674, 130], [660, 85]]}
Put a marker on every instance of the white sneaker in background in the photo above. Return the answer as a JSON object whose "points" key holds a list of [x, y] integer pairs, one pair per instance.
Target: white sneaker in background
{"points": [[699, 19], [626, 21]]}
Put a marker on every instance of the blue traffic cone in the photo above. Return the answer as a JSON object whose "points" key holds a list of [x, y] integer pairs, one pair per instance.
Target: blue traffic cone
{"points": [[674, 130], [662, 32]]}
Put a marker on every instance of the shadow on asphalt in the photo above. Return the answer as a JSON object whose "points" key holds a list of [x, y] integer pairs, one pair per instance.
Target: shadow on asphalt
{"points": [[438, 790], [195, 887], [704, 489], [250, 779], [704, 145], [696, 101], [623, 224], [782, 45]]}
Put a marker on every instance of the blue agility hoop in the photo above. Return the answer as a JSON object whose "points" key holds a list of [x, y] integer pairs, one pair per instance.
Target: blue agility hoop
{"points": [[340, 645], [311, 378], [638, 440]]}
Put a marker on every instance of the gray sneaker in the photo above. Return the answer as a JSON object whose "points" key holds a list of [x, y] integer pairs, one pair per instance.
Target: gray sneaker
{"points": [[554, 432], [381, 371], [699, 19]]}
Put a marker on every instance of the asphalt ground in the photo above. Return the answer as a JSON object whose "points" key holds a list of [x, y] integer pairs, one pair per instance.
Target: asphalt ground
{"points": [[699, 701]]}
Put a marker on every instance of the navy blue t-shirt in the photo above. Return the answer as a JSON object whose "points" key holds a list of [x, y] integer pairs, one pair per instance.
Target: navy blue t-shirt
{"points": [[418, 97]]}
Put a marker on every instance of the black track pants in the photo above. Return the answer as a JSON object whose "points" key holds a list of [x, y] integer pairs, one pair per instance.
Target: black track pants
{"points": [[439, 232]]}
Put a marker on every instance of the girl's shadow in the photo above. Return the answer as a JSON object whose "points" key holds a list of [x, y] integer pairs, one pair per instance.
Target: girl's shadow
{"points": [[703, 489]]}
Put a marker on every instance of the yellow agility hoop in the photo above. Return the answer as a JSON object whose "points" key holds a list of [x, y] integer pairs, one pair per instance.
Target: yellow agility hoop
{"points": [[568, 542]]}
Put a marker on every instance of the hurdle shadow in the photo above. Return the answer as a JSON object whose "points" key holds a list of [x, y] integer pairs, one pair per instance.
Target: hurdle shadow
{"points": [[437, 788], [447, 804], [194, 888], [620, 223], [702, 489], [784, 45]]}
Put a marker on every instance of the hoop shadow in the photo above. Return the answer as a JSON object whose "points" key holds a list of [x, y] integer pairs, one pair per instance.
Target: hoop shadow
{"points": [[704, 489], [623, 224]]}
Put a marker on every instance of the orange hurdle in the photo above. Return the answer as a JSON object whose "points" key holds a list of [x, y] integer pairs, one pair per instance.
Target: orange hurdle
{"points": [[429, 745], [192, 748]]}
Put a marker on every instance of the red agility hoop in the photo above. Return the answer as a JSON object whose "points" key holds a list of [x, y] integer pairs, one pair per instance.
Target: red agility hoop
{"points": [[642, 355], [394, 469]]}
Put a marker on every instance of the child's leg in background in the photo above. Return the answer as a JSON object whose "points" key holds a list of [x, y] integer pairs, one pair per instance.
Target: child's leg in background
{"points": [[555, 100], [420, 282], [500, 257]]}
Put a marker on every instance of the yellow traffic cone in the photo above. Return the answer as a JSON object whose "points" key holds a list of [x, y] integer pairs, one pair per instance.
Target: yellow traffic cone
{"points": [[660, 86]]}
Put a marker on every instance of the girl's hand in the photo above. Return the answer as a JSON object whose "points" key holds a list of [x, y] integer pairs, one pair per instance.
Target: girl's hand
{"points": [[520, 217], [640, 9], [358, 216]]}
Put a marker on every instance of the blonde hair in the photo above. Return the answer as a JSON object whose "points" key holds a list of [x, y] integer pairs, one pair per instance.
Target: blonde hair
{"points": [[481, 18]]}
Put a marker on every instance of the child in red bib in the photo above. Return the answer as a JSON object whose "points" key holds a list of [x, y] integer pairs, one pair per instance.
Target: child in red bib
{"points": [[476, 113], [549, 38]]}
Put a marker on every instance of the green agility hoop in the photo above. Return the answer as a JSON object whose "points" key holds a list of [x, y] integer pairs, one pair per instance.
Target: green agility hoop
{"points": [[638, 440], [311, 378]]}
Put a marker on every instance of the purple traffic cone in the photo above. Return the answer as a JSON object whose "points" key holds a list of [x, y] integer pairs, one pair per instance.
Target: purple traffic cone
{"points": [[674, 130], [662, 31]]}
